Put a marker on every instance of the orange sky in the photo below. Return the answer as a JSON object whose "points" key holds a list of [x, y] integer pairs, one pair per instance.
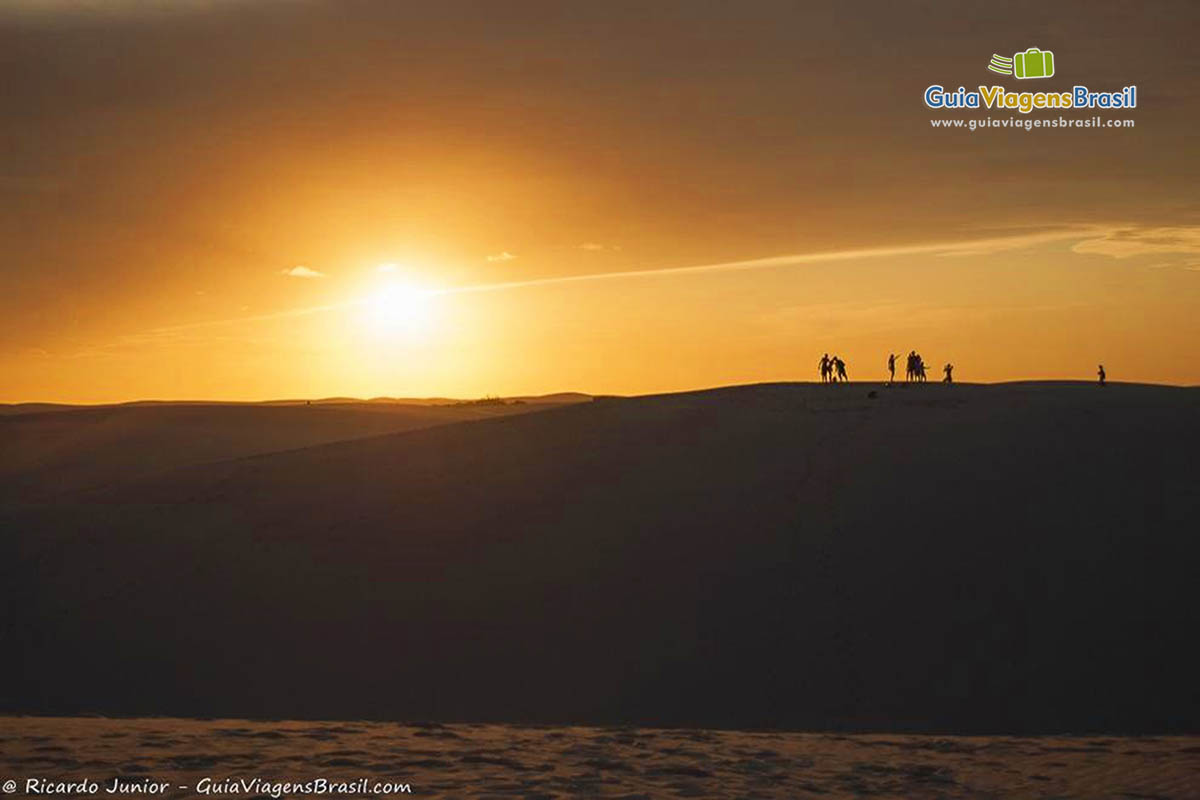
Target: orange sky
{"points": [[168, 166]]}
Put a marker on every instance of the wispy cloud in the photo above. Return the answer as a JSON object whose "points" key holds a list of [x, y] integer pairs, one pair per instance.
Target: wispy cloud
{"points": [[504, 256], [1123, 242], [974, 247], [302, 272], [1001, 244], [596, 247], [191, 331]]}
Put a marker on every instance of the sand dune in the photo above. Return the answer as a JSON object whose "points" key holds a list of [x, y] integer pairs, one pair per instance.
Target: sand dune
{"points": [[1012, 558], [51, 450]]}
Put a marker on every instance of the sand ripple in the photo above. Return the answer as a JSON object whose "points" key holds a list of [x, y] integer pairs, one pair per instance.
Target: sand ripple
{"points": [[494, 761]]}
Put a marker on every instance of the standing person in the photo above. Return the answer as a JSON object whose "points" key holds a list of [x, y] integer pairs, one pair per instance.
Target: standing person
{"points": [[841, 368], [919, 367], [911, 372], [824, 364], [1102, 374], [891, 368], [949, 370]]}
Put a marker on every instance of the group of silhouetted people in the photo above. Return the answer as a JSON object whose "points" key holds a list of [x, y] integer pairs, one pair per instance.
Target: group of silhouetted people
{"points": [[915, 369], [833, 369]]}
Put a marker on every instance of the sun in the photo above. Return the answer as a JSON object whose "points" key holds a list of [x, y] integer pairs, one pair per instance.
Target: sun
{"points": [[399, 308]]}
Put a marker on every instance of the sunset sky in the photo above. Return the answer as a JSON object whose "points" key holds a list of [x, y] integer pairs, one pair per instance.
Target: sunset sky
{"points": [[241, 199]]}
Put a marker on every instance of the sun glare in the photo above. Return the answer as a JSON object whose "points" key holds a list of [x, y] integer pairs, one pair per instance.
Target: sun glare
{"points": [[400, 309]]}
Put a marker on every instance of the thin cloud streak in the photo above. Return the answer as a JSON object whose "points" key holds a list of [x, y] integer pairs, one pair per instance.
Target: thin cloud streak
{"points": [[291, 312], [976, 247], [964, 248]]}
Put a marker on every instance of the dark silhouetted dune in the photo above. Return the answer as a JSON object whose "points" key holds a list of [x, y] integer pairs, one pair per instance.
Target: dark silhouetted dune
{"points": [[49, 450], [1007, 558]]}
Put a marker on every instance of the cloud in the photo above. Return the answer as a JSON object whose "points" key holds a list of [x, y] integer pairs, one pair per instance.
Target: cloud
{"points": [[1124, 242], [993, 245], [302, 272], [504, 256], [596, 247], [971, 247]]}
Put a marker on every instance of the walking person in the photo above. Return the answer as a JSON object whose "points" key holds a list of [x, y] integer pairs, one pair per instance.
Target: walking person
{"points": [[825, 368], [841, 369], [891, 368], [1102, 374], [949, 370]]}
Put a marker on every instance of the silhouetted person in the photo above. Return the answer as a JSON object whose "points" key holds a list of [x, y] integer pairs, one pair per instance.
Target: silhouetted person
{"points": [[918, 367], [826, 367], [891, 368], [1102, 374], [841, 368], [949, 370], [910, 372]]}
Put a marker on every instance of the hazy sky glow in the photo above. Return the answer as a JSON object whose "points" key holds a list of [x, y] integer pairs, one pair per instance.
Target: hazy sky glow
{"points": [[248, 200]]}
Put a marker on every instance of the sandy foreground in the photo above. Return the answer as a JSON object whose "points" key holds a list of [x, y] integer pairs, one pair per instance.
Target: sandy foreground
{"points": [[477, 761], [965, 558]]}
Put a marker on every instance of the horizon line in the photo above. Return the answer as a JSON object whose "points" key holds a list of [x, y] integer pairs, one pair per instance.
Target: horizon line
{"points": [[434, 399]]}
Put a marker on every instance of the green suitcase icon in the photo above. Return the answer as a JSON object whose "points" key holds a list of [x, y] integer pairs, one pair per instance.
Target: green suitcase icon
{"points": [[1034, 63]]}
